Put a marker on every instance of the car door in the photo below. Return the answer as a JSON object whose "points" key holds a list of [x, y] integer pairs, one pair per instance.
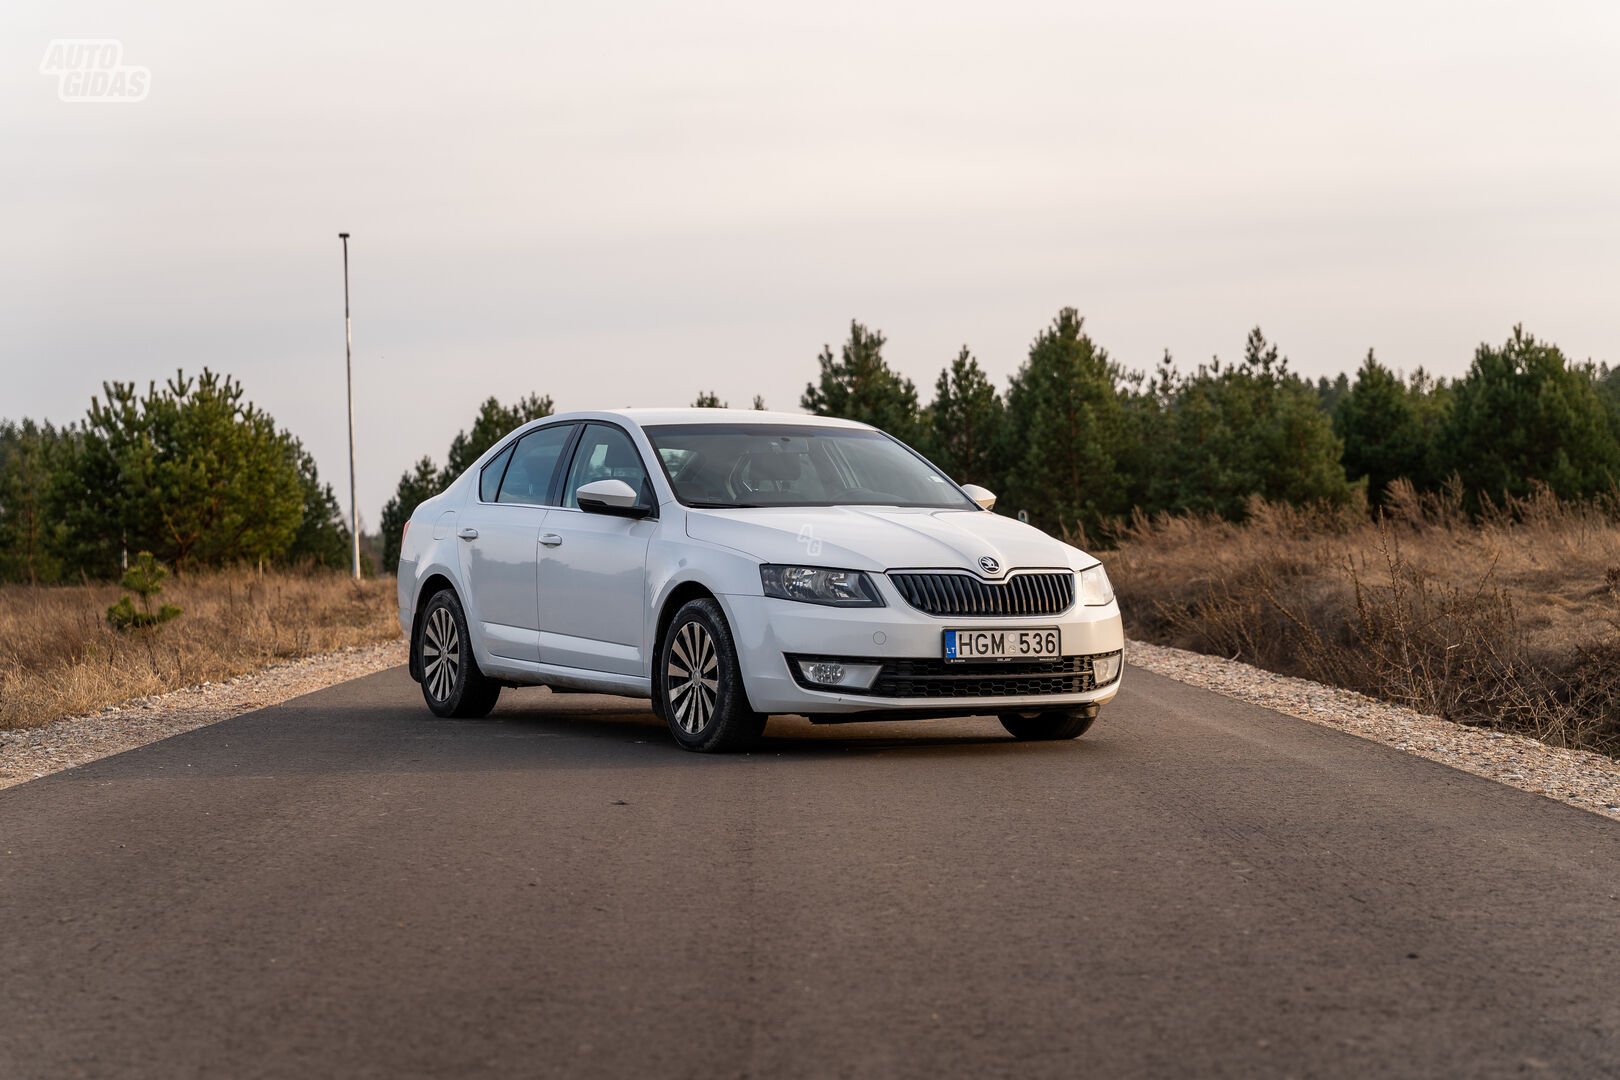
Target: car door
{"points": [[593, 567], [499, 535]]}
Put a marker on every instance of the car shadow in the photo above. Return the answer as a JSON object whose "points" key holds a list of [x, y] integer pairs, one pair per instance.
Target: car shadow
{"points": [[631, 720], [350, 731]]}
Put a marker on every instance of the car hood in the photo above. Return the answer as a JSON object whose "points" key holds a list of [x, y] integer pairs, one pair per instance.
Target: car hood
{"points": [[882, 537]]}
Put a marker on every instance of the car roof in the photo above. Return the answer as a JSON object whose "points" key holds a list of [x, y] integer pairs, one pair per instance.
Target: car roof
{"points": [[655, 417]]}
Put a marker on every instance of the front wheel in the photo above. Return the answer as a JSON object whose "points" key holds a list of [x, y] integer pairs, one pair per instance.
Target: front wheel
{"points": [[699, 685], [451, 682], [1048, 726]]}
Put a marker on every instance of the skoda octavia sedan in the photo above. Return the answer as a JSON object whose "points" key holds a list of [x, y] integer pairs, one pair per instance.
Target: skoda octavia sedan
{"points": [[731, 564]]}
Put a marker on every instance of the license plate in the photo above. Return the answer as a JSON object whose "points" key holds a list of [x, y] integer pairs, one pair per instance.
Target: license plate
{"points": [[1041, 643]]}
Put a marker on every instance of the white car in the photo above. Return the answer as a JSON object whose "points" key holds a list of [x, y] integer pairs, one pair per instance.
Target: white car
{"points": [[731, 564]]}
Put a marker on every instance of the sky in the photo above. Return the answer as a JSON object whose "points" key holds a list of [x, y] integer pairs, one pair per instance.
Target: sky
{"points": [[628, 204]]}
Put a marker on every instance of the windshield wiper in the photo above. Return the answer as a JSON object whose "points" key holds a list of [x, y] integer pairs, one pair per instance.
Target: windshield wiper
{"points": [[700, 505]]}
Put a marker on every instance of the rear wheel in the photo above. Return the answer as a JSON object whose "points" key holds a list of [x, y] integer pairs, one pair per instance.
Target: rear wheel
{"points": [[451, 682], [699, 686], [1047, 726]]}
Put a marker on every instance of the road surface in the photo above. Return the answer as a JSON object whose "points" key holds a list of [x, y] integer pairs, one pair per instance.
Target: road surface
{"points": [[346, 886]]}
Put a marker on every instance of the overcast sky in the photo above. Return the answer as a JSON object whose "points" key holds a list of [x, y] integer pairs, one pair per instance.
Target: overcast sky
{"points": [[628, 204]]}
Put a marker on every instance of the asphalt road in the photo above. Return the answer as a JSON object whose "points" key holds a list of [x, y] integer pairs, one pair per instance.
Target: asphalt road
{"points": [[344, 885]]}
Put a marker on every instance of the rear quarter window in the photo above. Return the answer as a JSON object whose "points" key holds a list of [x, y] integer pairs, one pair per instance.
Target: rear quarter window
{"points": [[489, 481]]}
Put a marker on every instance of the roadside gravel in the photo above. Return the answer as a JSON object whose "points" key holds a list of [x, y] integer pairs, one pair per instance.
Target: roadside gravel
{"points": [[76, 740], [1577, 777]]}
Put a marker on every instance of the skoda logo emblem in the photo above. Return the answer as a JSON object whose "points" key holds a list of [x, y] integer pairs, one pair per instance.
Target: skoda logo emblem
{"points": [[989, 566]]}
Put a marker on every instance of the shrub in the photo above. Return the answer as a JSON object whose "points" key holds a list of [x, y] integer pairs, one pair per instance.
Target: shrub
{"points": [[1508, 621], [144, 578]]}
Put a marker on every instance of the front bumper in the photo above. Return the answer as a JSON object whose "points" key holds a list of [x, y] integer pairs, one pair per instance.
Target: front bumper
{"points": [[767, 631]]}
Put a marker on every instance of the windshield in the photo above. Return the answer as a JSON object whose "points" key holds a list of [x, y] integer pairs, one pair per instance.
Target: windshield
{"points": [[737, 465]]}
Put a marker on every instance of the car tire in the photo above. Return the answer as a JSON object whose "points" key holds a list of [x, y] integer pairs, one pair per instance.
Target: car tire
{"points": [[1048, 726], [452, 685], [699, 688]]}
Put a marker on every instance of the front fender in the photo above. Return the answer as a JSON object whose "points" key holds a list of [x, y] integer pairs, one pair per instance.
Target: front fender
{"points": [[670, 566]]}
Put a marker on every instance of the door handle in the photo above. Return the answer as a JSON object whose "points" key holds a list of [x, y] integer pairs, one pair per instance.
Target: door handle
{"points": [[550, 539], [467, 532]]}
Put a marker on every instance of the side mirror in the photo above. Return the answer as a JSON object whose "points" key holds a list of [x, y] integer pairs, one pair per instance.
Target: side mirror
{"points": [[611, 497], [983, 496]]}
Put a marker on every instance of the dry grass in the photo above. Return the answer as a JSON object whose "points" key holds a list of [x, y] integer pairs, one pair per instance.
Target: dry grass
{"points": [[58, 657], [1511, 622]]}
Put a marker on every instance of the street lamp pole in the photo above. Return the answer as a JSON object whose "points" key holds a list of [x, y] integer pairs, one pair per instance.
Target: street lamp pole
{"points": [[348, 369]]}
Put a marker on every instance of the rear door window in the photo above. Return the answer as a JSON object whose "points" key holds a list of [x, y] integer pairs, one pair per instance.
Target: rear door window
{"points": [[534, 465]]}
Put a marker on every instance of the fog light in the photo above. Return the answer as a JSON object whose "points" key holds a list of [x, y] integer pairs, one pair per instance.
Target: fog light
{"points": [[1105, 669], [825, 673], [837, 673]]}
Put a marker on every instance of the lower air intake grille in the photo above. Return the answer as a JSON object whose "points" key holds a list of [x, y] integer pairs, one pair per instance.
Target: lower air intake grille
{"points": [[993, 679], [963, 594]]}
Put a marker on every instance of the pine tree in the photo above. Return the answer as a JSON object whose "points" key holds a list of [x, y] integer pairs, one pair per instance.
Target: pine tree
{"points": [[145, 579], [859, 385], [191, 471], [1608, 386], [31, 533], [1522, 415], [1253, 428], [965, 424], [1146, 460], [323, 534], [415, 487], [1066, 431], [708, 399], [1382, 427], [1330, 392]]}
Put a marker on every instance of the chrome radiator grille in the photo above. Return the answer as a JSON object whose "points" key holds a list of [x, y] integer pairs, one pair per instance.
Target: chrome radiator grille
{"points": [[1044, 593]]}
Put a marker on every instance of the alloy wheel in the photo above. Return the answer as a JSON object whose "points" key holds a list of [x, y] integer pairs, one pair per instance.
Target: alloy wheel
{"points": [[441, 654], [694, 677]]}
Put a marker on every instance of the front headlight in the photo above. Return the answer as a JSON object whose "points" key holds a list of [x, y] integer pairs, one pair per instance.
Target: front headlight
{"points": [[819, 585], [1095, 588]]}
